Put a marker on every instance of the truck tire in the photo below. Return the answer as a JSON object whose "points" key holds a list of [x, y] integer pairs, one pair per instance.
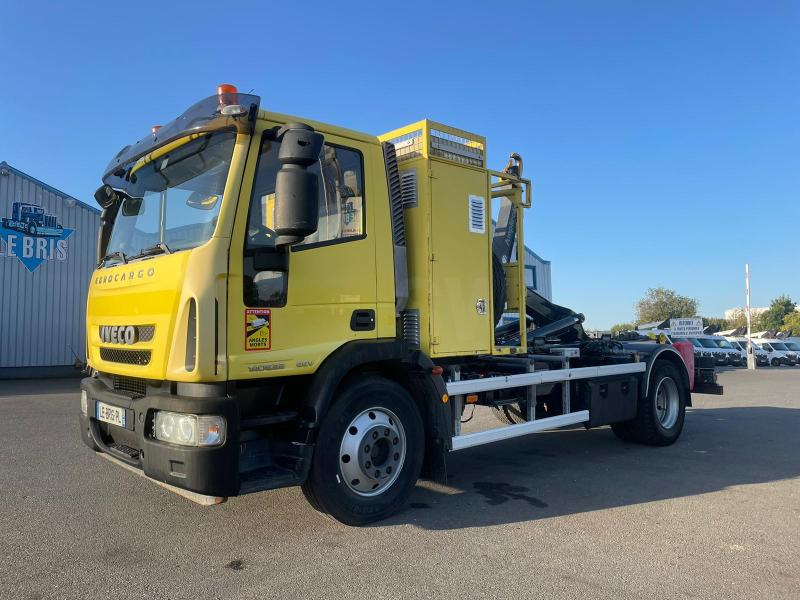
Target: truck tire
{"points": [[499, 288], [510, 414], [369, 453], [660, 416]]}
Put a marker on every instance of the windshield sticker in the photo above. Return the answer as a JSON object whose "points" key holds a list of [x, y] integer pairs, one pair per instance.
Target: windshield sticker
{"points": [[33, 236], [257, 329]]}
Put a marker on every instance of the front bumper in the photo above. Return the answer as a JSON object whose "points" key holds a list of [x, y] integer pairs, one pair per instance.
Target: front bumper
{"points": [[212, 471]]}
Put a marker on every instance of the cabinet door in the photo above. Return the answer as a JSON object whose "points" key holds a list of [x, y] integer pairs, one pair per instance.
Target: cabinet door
{"points": [[461, 296]]}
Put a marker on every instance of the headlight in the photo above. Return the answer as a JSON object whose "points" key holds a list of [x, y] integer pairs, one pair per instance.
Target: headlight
{"points": [[84, 402], [190, 430]]}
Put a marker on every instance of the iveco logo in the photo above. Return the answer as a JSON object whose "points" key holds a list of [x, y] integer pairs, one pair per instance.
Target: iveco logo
{"points": [[118, 334]]}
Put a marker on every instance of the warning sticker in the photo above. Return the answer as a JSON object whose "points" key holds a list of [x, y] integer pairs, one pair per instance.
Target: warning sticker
{"points": [[257, 329]]}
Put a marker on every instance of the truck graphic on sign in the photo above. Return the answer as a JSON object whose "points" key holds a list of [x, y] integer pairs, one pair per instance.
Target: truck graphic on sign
{"points": [[31, 219]]}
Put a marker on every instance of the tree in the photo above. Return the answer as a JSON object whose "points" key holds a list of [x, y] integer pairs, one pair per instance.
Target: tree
{"points": [[622, 327], [792, 321], [660, 304], [778, 310], [722, 324]]}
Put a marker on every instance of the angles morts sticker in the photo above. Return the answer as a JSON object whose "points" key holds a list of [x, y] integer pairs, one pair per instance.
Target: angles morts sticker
{"points": [[257, 329]]}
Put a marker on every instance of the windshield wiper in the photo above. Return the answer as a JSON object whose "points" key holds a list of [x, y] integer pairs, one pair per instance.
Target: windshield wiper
{"points": [[118, 255], [159, 248]]}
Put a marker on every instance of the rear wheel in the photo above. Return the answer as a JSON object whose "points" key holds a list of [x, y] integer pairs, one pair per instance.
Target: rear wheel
{"points": [[660, 416], [510, 414], [369, 453]]}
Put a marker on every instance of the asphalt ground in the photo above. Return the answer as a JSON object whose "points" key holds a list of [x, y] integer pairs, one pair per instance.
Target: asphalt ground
{"points": [[563, 514]]}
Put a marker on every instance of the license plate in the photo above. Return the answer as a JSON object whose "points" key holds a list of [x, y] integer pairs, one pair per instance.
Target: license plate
{"points": [[110, 414]]}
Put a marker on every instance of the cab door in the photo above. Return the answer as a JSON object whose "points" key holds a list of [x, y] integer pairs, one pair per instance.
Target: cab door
{"points": [[289, 308]]}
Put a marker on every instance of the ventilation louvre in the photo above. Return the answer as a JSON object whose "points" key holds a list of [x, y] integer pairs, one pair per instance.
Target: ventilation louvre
{"points": [[477, 214], [408, 188]]}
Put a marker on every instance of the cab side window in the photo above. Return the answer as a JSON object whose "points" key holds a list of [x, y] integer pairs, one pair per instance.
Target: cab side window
{"points": [[340, 176]]}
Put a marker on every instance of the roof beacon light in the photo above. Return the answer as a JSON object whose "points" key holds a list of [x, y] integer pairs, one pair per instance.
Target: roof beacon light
{"points": [[154, 129], [229, 100]]}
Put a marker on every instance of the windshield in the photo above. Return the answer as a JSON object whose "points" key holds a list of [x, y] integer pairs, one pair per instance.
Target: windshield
{"points": [[174, 199], [679, 339], [794, 346], [696, 343], [707, 343], [724, 344], [779, 346]]}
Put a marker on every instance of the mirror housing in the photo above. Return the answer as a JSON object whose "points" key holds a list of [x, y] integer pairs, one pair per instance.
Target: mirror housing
{"points": [[296, 189], [106, 196]]}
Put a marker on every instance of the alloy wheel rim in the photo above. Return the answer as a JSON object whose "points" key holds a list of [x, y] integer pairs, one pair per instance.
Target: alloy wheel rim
{"points": [[372, 452]]}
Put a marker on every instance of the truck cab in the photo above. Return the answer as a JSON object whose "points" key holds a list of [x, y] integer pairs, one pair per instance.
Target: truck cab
{"points": [[279, 301]]}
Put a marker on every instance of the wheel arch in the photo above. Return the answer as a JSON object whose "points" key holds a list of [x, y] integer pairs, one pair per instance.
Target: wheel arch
{"points": [[669, 355], [397, 361]]}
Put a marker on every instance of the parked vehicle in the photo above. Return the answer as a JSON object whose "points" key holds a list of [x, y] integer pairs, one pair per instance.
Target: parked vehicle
{"points": [[761, 356], [292, 326], [734, 355], [712, 348], [794, 346], [783, 356]]}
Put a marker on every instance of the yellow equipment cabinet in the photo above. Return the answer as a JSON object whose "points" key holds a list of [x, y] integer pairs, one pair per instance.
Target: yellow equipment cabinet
{"points": [[284, 302], [449, 236]]}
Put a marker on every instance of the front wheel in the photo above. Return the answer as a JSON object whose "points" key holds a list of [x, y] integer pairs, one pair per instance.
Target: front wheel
{"points": [[660, 416], [369, 453], [775, 362]]}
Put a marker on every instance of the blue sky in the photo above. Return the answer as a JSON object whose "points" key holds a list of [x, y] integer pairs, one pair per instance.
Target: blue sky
{"points": [[663, 138]]}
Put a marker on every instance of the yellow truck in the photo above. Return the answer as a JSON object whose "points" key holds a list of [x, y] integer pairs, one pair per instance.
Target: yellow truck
{"points": [[282, 302]]}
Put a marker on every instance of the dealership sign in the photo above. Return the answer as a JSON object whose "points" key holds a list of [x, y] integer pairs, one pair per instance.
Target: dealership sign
{"points": [[33, 236], [686, 327]]}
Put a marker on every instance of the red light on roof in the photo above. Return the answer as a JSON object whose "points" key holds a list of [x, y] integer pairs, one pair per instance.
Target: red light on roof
{"points": [[154, 129], [226, 88]]}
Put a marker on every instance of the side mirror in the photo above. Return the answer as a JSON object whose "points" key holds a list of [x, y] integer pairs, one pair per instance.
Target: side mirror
{"points": [[132, 207], [106, 196], [296, 189]]}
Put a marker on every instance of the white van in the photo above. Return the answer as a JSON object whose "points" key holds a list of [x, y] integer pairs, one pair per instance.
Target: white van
{"points": [[762, 357], [793, 344], [783, 355], [709, 347]]}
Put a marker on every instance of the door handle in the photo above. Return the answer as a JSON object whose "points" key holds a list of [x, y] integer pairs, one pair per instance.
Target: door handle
{"points": [[362, 320]]}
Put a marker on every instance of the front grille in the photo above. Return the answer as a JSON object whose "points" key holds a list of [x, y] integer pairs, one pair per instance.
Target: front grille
{"points": [[127, 357], [146, 332], [132, 386]]}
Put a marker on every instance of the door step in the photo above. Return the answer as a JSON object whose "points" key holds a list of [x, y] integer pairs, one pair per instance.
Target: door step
{"points": [[267, 478]]}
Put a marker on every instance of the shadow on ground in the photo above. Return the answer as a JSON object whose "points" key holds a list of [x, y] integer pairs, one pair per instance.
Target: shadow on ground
{"points": [[575, 471], [39, 387]]}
